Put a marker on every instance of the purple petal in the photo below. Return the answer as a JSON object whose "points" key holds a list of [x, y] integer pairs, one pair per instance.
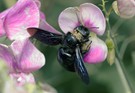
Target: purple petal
{"points": [[4, 13], [42, 16], [68, 19], [93, 18], [7, 56], [126, 8], [22, 78], [38, 3], [24, 14], [87, 14], [97, 53], [28, 58], [2, 31], [41, 25], [45, 26], [2, 17]]}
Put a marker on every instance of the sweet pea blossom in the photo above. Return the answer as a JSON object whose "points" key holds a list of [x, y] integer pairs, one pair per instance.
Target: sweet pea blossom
{"points": [[24, 14], [124, 8], [2, 16], [91, 17], [21, 56]]}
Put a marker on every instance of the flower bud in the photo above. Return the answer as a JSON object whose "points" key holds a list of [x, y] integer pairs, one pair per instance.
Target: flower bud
{"points": [[124, 8], [111, 51]]}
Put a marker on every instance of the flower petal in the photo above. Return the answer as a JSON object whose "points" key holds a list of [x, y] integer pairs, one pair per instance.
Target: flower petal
{"points": [[42, 16], [2, 31], [4, 13], [97, 53], [45, 26], [68, 19], [93, 18], [10, 85], [24, 14], [27, 56], [22, 78], [2, 17], [38, 3], [126, 8], [7, 56]]}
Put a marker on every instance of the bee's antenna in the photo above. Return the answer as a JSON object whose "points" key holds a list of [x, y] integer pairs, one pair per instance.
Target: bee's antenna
{"points": [[94, 27]]}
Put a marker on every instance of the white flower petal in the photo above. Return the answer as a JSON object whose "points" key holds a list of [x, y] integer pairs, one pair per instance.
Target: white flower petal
{"points": [[93, 18], [68, 19], [28, 57]]}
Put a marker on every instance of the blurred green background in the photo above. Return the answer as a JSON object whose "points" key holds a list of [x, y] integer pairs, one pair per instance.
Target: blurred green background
{"points": [[103, 77]]}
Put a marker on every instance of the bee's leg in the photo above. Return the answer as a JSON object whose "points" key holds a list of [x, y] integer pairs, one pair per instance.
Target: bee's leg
{"points": [[66, 58], [85, 47], [85, 40]]}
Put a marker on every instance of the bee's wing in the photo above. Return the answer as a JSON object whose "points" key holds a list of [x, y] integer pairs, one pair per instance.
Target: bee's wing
{"points": [[79, 66], [46, 36]]}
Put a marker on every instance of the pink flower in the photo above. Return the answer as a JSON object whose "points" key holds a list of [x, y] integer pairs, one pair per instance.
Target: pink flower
{"points": [[92, 18], [125, 8], [24, 14], [2, 16], [22, 58]]}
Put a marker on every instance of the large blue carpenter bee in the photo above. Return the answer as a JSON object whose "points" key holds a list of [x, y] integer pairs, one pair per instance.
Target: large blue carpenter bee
{"points": [[73, 46]]}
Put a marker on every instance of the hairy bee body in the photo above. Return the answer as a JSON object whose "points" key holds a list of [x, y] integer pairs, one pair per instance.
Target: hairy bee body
{"points": [[74, 45]]}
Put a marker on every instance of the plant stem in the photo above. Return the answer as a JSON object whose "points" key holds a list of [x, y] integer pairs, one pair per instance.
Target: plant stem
{"points": [[122, 76], [122, 72], [119, 63]]}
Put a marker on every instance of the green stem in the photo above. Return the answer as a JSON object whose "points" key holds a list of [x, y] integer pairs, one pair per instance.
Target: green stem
{"points": [[122, 73], [119, 63], [122, 76], [109, 28]]}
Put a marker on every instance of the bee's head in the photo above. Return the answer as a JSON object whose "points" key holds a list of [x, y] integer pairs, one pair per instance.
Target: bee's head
{"points": [[83, 31]]}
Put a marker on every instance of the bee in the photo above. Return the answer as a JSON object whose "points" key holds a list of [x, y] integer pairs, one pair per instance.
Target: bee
{"points": [[74, 45]]}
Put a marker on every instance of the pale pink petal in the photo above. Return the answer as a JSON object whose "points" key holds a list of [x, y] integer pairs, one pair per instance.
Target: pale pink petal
{"points": [[22, 78], [126, 8], [42, 16], [2, 17], [41, 25], [2, 31], [28, 57], [93, 18], [24, 14], [45, 26], [4, 13], [68, 19], [38, 3], [97, 52], [7, 56]]}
